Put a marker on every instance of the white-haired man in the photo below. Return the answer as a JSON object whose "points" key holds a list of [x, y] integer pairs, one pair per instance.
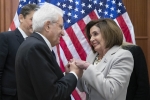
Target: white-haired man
{"points": [[38, 75]]}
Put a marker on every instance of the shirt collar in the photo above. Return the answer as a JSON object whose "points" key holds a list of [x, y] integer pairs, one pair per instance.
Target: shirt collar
{"points": [[46, 40], [23, 33]]}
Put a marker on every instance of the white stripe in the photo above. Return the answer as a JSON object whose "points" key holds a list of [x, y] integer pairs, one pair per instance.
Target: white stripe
{"points": [[70, 46], [16, 20], [63, 57], [124, 39], [96, 13], [86, 19], [130, 26], [81, 38], [72, 98]]}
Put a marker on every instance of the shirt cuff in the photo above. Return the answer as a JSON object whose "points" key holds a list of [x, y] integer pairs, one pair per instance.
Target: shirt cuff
{"points": [[74, 74]]}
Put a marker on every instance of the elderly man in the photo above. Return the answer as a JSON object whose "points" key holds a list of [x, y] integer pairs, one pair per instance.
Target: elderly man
{"points": [[39, 77]]}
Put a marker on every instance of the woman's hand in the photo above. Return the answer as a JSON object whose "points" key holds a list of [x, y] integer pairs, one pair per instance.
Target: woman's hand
{"points": [[80, 63]]}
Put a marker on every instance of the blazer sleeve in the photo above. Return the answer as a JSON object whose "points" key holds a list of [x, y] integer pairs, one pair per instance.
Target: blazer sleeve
{"points": [[42, 72], [3, 56], [117, 78]]}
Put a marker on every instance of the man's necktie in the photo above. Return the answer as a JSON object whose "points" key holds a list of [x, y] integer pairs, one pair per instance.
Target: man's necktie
{"points": [[53, 54]]}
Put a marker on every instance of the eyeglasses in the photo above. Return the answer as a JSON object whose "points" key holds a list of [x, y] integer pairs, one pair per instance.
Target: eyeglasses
{"points": [[60, 26]]}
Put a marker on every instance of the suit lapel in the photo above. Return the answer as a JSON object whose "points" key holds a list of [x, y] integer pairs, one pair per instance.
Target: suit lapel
{"points": [[19, 36], [55, 64]]}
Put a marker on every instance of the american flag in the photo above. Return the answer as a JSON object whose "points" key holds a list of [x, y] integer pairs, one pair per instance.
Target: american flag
{"points": [[77, 13]]}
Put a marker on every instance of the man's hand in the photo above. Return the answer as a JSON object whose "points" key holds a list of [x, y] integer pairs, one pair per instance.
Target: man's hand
{"points": [[80, 63], [75, 69]]}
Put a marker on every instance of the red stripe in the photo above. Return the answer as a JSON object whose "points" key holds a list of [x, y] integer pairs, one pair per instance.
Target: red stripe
{"points": [[76, 95], [12, 26], [60, 60], [65, 49], [93, 16], [82, 25], [76, 43], [124, 28]]}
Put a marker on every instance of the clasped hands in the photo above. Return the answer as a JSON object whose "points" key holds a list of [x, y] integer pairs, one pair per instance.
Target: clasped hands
{"points": [[76, 66]]}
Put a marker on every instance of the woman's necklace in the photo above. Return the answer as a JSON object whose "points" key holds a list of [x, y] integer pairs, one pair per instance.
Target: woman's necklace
{"points": [[97, 60]]}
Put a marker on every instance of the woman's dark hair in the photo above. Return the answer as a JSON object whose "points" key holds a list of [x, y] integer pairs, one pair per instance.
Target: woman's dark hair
{"points": [[111, 33]]}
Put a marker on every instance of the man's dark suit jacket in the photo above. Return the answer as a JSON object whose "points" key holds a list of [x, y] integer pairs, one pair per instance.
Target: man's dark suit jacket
{"points": [[9, 44], [138, 88], [38, 75]]}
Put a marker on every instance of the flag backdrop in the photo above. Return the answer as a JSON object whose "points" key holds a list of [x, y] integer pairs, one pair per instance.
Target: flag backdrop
{"points": [[77, 13]]}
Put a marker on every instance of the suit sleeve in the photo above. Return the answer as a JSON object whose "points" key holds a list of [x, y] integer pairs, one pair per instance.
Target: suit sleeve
{"points": [[117, 79], [142, 91], [42, 73], [3, 56]]}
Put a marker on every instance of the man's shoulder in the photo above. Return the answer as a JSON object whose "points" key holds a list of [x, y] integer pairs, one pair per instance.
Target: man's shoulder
{"points": [[8, 33]]}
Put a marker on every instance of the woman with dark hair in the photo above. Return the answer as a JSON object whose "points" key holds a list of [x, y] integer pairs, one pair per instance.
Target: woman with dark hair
{"points": [[108, 67]]}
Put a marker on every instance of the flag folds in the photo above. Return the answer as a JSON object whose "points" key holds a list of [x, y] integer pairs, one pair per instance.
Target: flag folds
{"points": [[77, 13]]}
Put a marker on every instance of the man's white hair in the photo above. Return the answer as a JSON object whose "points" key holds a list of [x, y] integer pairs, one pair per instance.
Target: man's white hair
{"points": [[46, 12]]}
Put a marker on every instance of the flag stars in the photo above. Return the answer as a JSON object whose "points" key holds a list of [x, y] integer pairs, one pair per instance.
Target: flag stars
{"points": [[89, 6], [75, 16], [64, 5], [101, 3], [119, 4], [70, 7], [20, 6], [76, 9], [83, 11], [112, 8], [118, 11], [69, 14], [100, 10], [95, 2], [106, 13], [71, 1], [68, 21], [111, 15], [64, 12], [124, 7], [113, 1], [83, 4], [107, 6], [77, 3], [58, 4]]}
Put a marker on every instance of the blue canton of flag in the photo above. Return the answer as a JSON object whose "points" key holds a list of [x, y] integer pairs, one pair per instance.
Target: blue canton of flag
{"points": [[75, 10]]}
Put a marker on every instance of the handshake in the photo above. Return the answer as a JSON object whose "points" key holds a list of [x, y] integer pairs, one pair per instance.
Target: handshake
{"points": [[76, 66]]}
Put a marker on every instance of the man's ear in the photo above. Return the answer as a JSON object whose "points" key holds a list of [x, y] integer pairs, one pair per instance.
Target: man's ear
{"points": [[21, 18], [47, 25]]}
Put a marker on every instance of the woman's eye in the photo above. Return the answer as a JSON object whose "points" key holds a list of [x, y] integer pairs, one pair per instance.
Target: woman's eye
{"points": [[95, 33]]}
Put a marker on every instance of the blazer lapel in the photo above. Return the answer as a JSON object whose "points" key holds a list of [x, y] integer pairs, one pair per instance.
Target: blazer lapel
{"points": [[105, 60], [91, 57], [19, 36]]}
